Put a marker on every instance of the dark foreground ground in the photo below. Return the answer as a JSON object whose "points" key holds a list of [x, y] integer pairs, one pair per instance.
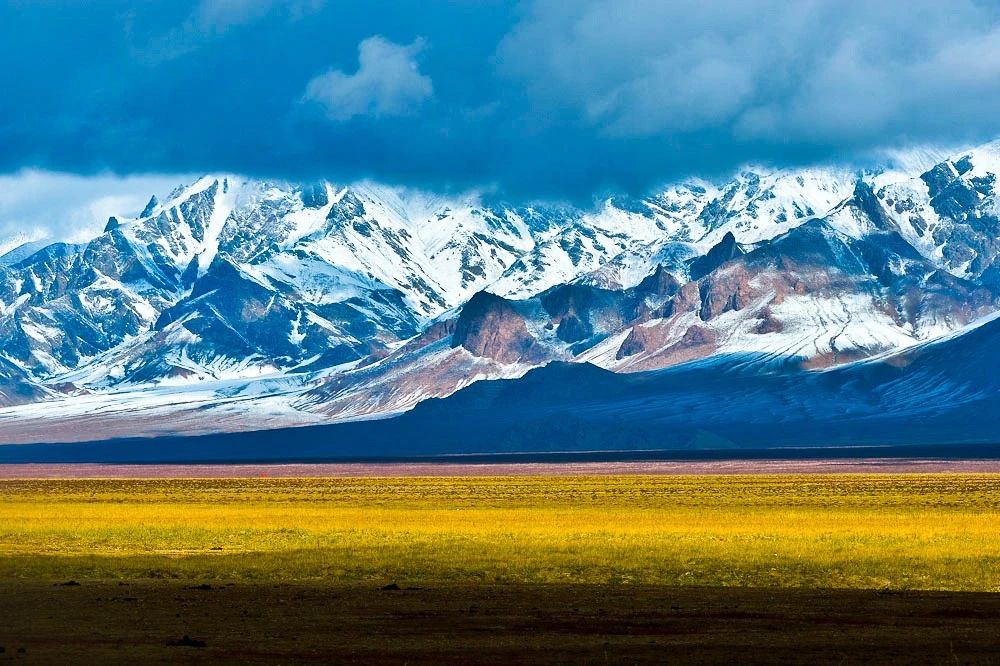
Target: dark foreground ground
{"points": [[114, 622]]}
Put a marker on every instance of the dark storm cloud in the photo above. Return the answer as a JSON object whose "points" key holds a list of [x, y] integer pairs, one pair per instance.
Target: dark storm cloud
{"points": [[536, 98]]}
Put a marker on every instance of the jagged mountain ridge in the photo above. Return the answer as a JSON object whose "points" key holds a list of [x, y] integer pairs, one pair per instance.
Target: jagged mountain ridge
{"points": [[360, 292], [936, 396]]}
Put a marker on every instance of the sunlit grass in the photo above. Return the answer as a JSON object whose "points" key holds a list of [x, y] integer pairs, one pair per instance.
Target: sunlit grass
{"points": [[888, 531]]}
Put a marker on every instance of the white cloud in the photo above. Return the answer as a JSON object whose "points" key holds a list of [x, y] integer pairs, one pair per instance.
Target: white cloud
{"points": [[218, 15], [212, 19], [760, 70], [388, 82], [36, 205]]}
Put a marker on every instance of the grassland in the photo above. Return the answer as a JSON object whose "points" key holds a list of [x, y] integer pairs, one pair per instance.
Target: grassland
{"points": [[900, 532], [556, 569]]}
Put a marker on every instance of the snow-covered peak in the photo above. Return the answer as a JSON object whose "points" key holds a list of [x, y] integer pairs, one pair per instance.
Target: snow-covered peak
{"points": [[760, 204], [339, 271], [949, 212], [907, 163], [20, 246]]}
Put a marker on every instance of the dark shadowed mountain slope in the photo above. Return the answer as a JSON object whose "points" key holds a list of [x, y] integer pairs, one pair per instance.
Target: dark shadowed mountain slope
{"points": [[15, 386], [943, 394]]}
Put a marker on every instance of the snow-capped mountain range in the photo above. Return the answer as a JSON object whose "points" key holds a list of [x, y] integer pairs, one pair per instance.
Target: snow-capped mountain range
{"points": [[237, 304]]}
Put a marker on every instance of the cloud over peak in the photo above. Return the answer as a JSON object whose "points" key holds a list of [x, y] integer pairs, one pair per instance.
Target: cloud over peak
{"points": [[762, 70], [542, 98], [387, 82]]}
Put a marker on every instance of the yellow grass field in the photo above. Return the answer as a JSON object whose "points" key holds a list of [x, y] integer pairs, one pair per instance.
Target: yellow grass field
{"points": [[905, 532]]}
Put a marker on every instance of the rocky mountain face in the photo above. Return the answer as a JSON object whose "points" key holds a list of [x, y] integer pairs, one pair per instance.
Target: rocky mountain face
{"points": [[938, 398], [17, 388], [351, 301], [951, 213]]}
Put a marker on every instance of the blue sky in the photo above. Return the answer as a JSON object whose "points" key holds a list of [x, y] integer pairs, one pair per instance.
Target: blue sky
{"points": [[537, 99]]}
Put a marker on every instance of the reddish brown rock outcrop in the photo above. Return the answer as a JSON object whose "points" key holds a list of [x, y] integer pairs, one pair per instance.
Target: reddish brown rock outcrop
{"points": [[490, 327], [768, 323], [724, 291], [638, 341], [660, 283], [687, 299], [696, 336]]}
